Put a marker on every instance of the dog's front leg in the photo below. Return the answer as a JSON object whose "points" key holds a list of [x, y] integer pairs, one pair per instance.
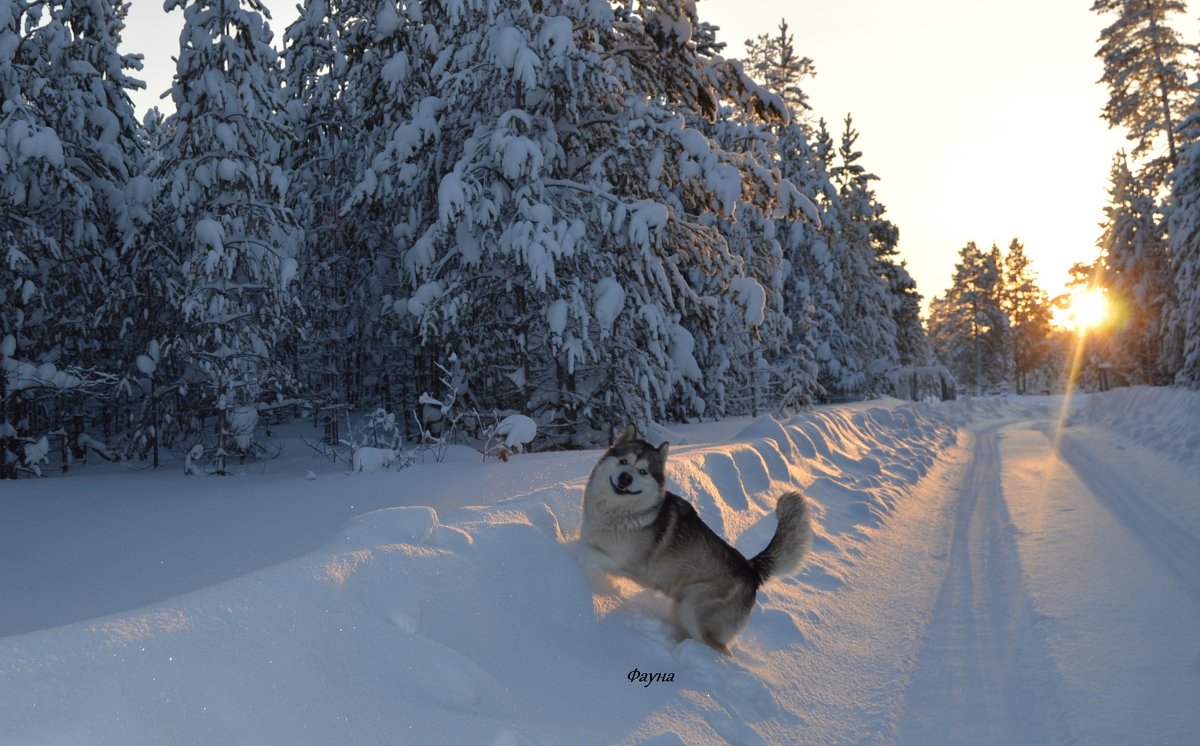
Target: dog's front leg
{"points": [[592, 559]]}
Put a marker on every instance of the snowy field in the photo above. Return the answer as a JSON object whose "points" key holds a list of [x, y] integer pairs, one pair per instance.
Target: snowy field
{"points": [[984, 571]]}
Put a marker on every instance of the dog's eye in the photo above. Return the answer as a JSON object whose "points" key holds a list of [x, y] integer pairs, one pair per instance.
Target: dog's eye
{"points": [[623, 462], [643, 472]]}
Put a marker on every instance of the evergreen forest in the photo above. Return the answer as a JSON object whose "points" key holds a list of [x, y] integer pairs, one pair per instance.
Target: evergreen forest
{"points": [[575, 210]]}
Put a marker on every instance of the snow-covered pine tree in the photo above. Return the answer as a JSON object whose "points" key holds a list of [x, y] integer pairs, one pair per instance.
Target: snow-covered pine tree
{"points": [[904, 341], [232, 240], [386, 82], [328, 154], [34, 187], [967, 326], [139, 298], [806, 264], [1148, 69], [995, 325], [807, 296], [745, 357], [1183, 222], [819, 284], [912, 344], [1028, 310], [69, 146], [772, 60], [862, 244], [949, 333], [1138, 277], [559, 263]]}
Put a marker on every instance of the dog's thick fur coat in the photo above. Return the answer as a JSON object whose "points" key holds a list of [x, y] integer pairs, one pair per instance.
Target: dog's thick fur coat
{"points": [[656, 538]]}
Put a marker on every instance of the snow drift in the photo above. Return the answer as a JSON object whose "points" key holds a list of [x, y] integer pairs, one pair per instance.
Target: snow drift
{"points": [[476, 625]]}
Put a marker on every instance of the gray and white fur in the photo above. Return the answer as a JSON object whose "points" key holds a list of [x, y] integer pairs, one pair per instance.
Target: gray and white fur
{"points": [[657, 539]]}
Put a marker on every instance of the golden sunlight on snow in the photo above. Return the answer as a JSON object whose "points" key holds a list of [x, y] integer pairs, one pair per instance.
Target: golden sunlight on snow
{"points": [[126, 630], [341, 566]]}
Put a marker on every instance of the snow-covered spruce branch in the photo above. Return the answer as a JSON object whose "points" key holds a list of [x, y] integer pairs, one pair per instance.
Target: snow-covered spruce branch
{"points": [[211, 322], [589, 189], [628, 50], [218, 358], [254, 206], [255, 241], [27, 219], [573, 127], [464, 283], [24, 378]]}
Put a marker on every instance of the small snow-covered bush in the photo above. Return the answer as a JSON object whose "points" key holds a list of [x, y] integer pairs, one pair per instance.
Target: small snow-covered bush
{"points": [[439, 419], [367, 459], [378, 443], [511, 435]]}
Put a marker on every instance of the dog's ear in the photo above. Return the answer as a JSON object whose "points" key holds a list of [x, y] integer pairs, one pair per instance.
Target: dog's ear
{"points": [[629, 433], [662, 450]]}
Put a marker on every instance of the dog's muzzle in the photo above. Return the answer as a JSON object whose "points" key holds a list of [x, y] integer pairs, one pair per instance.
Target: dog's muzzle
{"points": [[621, 486]]}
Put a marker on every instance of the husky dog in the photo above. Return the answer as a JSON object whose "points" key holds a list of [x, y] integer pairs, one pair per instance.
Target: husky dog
{"points": [[656, 538]]}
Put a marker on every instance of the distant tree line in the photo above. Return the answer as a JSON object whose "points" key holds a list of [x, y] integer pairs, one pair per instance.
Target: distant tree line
{"points": [[992, 328], [575, 210]]}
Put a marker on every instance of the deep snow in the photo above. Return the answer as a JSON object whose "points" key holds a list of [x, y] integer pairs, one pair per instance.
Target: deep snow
{"points": [[979, 575]]}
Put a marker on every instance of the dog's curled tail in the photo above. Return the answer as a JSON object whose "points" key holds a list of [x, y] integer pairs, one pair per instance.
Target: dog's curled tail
{"points": [[790, 541]]}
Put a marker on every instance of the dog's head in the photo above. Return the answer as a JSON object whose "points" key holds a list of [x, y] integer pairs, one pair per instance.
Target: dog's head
{"points": [[632, 467]]}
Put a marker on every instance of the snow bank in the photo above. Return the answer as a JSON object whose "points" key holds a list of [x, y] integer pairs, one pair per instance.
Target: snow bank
{"points": [[1154, 433], [478, 625], [1160, 419]]}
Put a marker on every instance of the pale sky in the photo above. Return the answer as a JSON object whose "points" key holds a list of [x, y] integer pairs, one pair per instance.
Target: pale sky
{"points": [[981, 119]]}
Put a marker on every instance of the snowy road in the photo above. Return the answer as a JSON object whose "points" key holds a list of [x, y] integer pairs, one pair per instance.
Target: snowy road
{"points": [[980, 667], [1114, 580], [1066, 601]]}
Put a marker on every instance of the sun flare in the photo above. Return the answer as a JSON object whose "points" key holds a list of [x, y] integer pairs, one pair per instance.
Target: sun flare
{"points": [[1087, 309]]}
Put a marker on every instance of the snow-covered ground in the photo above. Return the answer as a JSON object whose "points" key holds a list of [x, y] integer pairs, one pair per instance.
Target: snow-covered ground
{"points": [[984, 571]]}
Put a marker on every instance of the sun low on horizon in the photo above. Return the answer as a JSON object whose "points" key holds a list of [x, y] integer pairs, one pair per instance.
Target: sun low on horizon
{"points": [[1086, 309]]}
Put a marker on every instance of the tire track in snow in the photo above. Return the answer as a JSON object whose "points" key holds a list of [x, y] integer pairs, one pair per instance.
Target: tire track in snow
{"points": [[980, 667]]}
